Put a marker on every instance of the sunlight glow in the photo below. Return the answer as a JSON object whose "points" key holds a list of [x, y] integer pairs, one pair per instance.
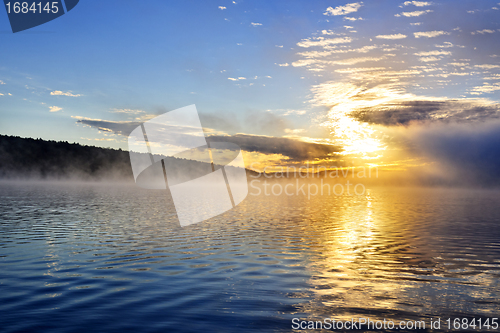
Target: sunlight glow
{"points": [[344, 99]]}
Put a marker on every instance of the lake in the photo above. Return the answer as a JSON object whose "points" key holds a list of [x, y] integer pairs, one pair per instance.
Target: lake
{"points": [[103, 257]]}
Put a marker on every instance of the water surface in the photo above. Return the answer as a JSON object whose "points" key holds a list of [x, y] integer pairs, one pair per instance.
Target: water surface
{"points": [[87, 257]]}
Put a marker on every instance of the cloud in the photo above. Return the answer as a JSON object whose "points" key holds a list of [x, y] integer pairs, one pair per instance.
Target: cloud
{"points": [[323, 42], [284, 65], [118, 127], [294, 131], [361, 69], [353, 61], [416, 13], [255, 24], [222, 7], [62, 93], [430, 34], [128, 111], [429, 59], [482, 32], [1, 82], [331, 32], [394, 36], [314, 64], [485, 88], [317, 54], [348, 18], [417, 3], [487, 66], [432, 53], [295, 149], [54, 108], [444, 45], [406, 112], [237, 79], [343, 10], [348, 61]]}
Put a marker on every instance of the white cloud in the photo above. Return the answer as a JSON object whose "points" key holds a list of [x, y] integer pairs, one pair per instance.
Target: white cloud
{"points": [[321, 41], [62, 93], [353, 18], [485, 88], [222, 7], [1, 82], [294, 131], [129, 111], [343, 10], [487, 66], [482, 32], [255, 24], [360, 69], [445, 45], [54, 108], [458, 64], [433, 53], [416, 23], [352, 61], [304, 62], [237, 79], [429, 59], [280, 46], [416, 13], [317, 54], [394, 36], [430, 34], [331, 32], [492, 77], [417, 3], [284, 65]]}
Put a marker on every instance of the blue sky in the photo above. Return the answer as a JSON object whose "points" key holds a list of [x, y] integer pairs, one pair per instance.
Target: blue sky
{"points": [[354, 75], [121, 55]]}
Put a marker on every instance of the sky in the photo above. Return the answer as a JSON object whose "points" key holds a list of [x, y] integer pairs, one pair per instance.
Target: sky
{"points": [[397, 84]]}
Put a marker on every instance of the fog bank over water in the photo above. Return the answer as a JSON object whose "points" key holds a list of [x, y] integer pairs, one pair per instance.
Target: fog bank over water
{"points": [[477, 166]]}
